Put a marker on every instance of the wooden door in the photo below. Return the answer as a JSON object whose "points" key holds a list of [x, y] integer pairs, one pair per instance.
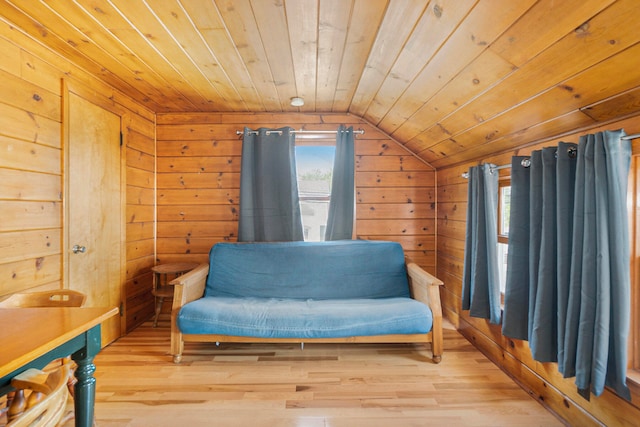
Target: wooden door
{"points": [[94, 219]]}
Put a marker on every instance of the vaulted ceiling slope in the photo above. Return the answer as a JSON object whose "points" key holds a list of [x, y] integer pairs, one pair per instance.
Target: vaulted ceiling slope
{"points": [[453, 80]]}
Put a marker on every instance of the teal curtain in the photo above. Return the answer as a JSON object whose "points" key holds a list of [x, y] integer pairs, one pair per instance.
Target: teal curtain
{"points": [[269, 204], [598, 310], [341, 203], [572, 252], [515, 323], [565, 182], [540, 234], [543, 301], [480, 285]]}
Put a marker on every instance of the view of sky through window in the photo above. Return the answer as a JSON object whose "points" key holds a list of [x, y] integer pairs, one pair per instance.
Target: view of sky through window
{"points": [[319, 157]]}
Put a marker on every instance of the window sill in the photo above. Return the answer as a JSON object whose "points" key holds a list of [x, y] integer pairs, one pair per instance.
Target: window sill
{"points": [[633, 381]]}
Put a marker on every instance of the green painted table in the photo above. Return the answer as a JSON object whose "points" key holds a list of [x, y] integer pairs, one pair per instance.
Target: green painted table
{"points": [[33, 337]]}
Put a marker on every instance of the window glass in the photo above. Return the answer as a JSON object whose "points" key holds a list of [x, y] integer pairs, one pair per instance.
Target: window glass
{"points": [[314, 169], [503, 249], [504, 209]]}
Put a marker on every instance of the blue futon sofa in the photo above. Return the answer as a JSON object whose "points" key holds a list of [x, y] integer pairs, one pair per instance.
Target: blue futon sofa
{"points": [[341, 291]]}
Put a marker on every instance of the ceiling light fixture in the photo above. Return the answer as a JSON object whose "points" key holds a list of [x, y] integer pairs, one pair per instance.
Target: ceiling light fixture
{"points": [[296, 101]]}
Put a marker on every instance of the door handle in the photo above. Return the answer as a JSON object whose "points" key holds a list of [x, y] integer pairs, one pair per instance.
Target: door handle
{"points": [[77, 248]]}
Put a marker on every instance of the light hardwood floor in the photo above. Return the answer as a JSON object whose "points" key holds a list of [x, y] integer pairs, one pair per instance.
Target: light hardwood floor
{"points": [[320, 385]]}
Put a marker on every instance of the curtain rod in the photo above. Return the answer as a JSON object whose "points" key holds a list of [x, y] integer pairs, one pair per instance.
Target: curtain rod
{"points": [[572, 151], [255, 132], [526, 162], [495, 168]]}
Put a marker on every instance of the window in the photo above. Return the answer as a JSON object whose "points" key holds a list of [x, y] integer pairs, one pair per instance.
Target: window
{"points": [[633, 203], [504, 205], [315, 168]]}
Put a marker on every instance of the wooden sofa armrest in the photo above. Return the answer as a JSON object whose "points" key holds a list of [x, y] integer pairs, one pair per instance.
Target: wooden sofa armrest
{"points": [[426, 288], [190, 286], [186, 288]]}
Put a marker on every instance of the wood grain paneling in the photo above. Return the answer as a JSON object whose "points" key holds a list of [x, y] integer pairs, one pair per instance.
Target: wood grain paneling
{"points": [[20, 215], [198, 183], [140, 231], [398, 195], [476, 25], [29, 155], [197, 213], [31, 196], [30, 97], [18, 245], [455, 82], [23, 185], [139, 139], [31, 273], [440, 77], [397, 211], [512, 355]]}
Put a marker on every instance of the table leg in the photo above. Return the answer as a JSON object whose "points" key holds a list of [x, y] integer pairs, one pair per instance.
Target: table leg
{"points": [[85, 388], [159, 302]]}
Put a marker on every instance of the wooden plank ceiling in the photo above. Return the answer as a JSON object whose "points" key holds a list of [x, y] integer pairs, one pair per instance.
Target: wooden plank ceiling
{"points": [[453, 80]]}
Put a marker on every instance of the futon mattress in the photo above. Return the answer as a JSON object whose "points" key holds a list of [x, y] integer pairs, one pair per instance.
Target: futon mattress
{"points": [[291, 318]]}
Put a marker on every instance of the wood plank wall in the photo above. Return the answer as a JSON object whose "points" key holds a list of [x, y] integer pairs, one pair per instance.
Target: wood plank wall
{"points": [[542, 379], [199, 158], [140, 143], [31, 194]]}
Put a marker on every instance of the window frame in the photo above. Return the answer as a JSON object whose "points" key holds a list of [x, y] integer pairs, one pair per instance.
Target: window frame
{"points": [[633, 207], [502, 183], [503, 238]]}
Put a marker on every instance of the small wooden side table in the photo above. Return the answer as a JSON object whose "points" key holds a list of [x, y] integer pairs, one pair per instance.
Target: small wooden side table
{"points": [[162, 275]]}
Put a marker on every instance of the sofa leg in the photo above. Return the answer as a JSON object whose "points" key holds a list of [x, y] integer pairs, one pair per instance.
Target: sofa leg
{"points": [[177, 344]]}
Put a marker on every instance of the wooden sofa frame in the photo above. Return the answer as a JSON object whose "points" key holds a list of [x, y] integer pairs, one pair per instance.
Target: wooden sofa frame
{"points": [[424, 288]]}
